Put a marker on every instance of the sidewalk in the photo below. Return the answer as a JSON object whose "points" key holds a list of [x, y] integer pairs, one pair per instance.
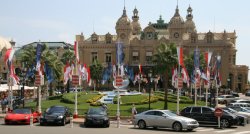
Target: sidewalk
{"points": [[81, 120]]}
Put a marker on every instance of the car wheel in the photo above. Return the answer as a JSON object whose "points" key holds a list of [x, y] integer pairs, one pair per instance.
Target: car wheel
{"points": [[141, 124], [177, 126], [63, 122], [224, 123], [189, 130]]}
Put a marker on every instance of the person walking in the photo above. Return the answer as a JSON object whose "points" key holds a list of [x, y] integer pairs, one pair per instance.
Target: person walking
{"points": [[133, 112]]}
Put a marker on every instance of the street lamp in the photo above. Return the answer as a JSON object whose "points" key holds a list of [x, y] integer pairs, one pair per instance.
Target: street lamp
{"points": [[149, 88]]}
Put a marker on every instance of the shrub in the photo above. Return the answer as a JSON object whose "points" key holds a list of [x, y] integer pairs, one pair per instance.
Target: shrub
{"points": [[55, 97]]}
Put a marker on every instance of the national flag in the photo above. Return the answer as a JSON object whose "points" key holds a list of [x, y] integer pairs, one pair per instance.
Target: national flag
{"points": [[122, 70], [204, 76], [208, 56], [185, 76], [218, 79], [13, 75], [119, 53], [38, 58], [174, 76], [88, 76], [137, 77], [196, 58], [76, 52], [140, 68], [67, 73], [9, 56], [49, 73], [180, 56], [114, 70]]}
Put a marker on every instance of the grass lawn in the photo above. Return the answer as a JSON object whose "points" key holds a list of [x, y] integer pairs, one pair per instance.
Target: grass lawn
{"points": [[125, 110]]}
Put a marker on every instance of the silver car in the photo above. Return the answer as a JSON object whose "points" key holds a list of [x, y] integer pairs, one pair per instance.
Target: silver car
{"points": [[164, 119]]}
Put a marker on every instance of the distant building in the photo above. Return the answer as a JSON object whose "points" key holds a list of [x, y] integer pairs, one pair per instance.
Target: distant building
{"points": [[140, 44]]}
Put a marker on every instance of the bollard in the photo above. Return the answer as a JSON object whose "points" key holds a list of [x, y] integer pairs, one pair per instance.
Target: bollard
{"points": [[31, 120], [71, 121]]}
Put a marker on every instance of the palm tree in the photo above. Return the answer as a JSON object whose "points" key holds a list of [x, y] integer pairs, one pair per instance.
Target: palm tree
{"points": [[96, 70], [165, 59]]}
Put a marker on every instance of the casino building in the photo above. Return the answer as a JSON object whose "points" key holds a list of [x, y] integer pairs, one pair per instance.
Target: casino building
{"points": [[140, 44]]}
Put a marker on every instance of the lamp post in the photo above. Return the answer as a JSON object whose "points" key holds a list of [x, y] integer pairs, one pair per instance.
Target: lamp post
{"points": [[149, 88]]}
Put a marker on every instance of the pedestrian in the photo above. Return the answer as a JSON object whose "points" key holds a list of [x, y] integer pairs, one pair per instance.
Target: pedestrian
{"points": [[4, 103], [133, 112]]}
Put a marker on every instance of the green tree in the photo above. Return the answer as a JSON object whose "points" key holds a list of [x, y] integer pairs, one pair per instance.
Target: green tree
{"points": [[96, 70], [165, 58]]}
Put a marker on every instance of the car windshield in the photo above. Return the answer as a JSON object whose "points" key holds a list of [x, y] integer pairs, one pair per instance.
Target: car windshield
{"points": [[245, 109], [231, 110], [169, 113], [22, 111], [56, 110], [96, 111]]}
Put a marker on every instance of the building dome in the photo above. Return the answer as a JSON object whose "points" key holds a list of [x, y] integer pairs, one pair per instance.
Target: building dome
{"points": [[176, 21], [190, 26], [123, 21], [4, 43]]}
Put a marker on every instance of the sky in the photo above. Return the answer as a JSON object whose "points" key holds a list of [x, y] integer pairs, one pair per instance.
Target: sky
{"points": [[26, 21]]}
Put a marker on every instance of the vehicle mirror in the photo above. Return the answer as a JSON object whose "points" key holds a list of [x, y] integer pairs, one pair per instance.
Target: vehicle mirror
{"points": [[164, 115]]}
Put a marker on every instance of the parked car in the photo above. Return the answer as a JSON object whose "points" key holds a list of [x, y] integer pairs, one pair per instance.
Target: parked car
{"points": [[239, 104], [247, 93], [235, 94], [247, 115], [166, 119], [205, 115], [226, 99], [97, 116], [56, 115], [21, 116], [243, 118], [241, 101]]}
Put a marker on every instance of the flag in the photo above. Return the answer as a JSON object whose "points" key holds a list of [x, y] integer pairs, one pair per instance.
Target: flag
{"points": [[9, 56], [76, 52], [196, 58], [38, 57], [140, 68], [122, 70], [67, 73], [174, 76], [218, 79], [180, 56], [13, 75], [204, 76], [137, 77], [119, 53], [114, 70], [208, 56], [88, 76], [48, 72], [185, 76]]}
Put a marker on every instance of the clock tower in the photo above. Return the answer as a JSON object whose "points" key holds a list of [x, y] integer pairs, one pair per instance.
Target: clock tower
{"points": [[176, 26]]}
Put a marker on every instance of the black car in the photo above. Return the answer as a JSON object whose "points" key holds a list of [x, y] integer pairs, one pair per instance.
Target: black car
{"points": [[242, 119], [56, 115], [97, 117], [205, 115], [247, 93]]}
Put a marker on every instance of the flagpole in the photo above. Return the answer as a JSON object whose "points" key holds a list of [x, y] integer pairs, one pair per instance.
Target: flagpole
{"points": [[206, 93], [76, 72], [195, 94]]}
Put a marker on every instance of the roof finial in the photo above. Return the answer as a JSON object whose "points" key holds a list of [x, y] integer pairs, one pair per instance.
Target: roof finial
{"points": [[124, 11], [177, 4]]}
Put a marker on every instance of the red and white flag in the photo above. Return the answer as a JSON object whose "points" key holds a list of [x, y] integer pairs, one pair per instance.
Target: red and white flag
{"points": [[14, 76], [185, 76], [140, 68], [137, 77], [9, 56], [67, 73], [180, 56], [208, 56], [76, 52]]}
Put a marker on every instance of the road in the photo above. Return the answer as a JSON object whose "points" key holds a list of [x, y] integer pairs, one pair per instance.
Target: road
{"points": [[124, 129]]}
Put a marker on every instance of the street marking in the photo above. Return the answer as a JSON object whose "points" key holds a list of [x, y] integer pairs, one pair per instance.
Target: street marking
{"points": [[243, 132], [224, 131]]}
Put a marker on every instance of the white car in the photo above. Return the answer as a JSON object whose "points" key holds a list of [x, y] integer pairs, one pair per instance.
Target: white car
{"points": [[164, 119], [247, 115], [226, 99], [241, 101]]}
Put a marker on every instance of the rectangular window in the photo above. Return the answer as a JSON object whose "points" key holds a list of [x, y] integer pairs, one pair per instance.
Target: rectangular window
{"points": [[135, 57], [94, 56], [149, 57], [108, 58]]}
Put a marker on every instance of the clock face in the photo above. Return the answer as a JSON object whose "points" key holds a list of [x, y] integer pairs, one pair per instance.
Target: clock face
{"points": [[176, 35], [149, 36]]}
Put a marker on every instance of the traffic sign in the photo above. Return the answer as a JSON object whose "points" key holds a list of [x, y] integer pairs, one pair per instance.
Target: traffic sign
{"points": [[75, 80], [118, 81], [180, 83], [218, 112]]}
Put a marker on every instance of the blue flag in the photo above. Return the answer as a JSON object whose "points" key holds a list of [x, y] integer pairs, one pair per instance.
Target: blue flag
{"points": [[119, 53], [49, 73]]}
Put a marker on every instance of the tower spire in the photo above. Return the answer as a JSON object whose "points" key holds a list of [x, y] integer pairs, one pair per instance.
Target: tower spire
{"points": [[124, 11]]}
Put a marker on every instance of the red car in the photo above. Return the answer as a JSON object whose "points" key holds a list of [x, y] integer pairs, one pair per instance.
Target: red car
{"points": [[21, 116]]}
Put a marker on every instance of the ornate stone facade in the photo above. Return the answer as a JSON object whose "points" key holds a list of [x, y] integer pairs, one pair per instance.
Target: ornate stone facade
{"points": [[140, 45]]}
